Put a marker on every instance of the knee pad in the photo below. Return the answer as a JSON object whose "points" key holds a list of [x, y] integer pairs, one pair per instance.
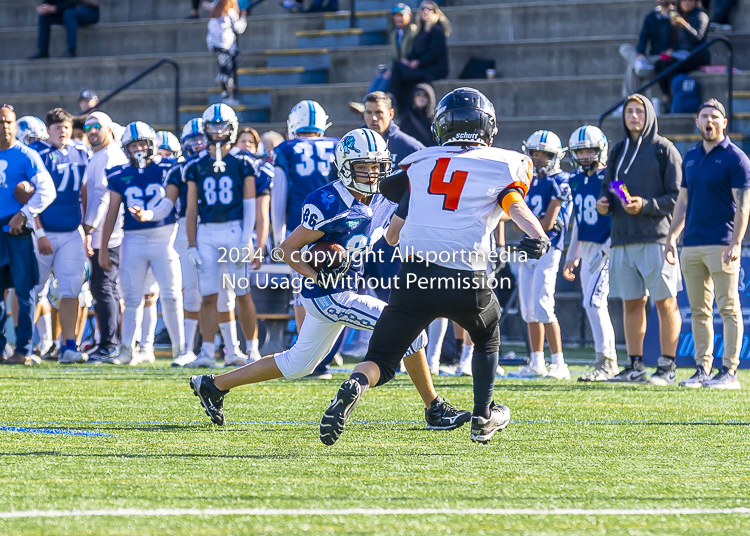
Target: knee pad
{"points": [[192, 300]]}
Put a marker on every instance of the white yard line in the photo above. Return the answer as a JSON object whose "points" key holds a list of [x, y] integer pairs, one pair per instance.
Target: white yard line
{"points": [[158, 512]]}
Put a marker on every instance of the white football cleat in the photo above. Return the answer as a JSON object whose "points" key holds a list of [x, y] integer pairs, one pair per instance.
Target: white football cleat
{"points": [[143, 355], [237, 359], [184, 359], [72, 356], [500, 371], [204, 360], [559, 372], [253, 356], [527, 371]]}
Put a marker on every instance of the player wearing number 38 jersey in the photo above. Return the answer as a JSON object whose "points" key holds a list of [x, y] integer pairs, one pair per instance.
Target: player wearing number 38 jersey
{"points": [[451, 199], [148, 241]]}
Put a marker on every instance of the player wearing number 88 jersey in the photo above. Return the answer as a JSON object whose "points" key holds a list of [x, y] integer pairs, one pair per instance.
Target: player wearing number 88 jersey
{"points": [[589, 245], [148, 242]]}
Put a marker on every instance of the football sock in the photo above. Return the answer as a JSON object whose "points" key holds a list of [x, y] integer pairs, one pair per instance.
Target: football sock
{"points": [[254, 345], [435, 335], [131, 317], [229, 334], [668, 356], [537, 360], [634, 358], [70, 344], [171, 310], [483, 368], [148, 326], [44, 327], [191, 326], [209, 348], [361, 379], [467, 351], [557, 359]]}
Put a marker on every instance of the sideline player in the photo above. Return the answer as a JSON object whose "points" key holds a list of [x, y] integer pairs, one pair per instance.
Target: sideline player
{"points": [[341, 212], [149, 227], [61, 245], [589, 246], [455, 195], [221, 191], [548, 198]]}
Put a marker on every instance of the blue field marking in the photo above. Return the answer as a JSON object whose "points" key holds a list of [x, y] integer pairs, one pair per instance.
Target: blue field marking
{"points": [[55, 431]]}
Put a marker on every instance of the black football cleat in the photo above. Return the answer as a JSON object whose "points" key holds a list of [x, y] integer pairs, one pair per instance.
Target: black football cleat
{"points": [[212, 398], [483, 429], [334, 419], [443, 416]]}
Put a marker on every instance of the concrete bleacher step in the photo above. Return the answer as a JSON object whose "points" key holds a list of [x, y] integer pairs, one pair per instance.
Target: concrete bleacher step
{"points": [[250, 96], [313, 58], [369, 21], [245, 113], [347, 37], [281, 76]]}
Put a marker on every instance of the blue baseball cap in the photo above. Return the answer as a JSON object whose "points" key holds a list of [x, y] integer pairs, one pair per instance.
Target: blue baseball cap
{"points": [[401, 8]]}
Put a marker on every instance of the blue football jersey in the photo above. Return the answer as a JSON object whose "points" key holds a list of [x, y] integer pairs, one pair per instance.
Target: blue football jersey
{"points": [[141, 188], [175, 177], [308, 165], [592, 226], [542, 191], [66, 167], [18, 163], [382, 265], [220, 191], [333, 210]]}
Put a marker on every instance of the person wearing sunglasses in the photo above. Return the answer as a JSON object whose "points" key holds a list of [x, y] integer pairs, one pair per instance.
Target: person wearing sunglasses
{"points": [[106, 155], [18, 265]]}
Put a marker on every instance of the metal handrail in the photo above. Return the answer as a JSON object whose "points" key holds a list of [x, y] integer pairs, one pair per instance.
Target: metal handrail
{"points": [[145, 72], [675, 66]]}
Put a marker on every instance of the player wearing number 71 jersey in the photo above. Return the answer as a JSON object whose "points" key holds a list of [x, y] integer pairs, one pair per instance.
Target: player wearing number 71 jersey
{"points": [[148, 242], [451, 199]]}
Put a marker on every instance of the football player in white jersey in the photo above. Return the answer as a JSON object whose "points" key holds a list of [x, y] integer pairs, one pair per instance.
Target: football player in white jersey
{"points": [[548, 198], [347, 212], [451, 200], [149, 229], [589, 246]]}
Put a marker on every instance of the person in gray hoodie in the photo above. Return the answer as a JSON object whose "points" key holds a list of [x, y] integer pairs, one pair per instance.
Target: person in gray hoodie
{"points": [[640, 190]]}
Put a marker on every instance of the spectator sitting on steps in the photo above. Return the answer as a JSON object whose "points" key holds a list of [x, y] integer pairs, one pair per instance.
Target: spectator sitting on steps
{"points": [[417, 120], [317, 6], [71, 14]]}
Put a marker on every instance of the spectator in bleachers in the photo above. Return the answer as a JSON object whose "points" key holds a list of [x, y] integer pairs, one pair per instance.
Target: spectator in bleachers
{"points": [[657, 36], [428, 59], [317, 6], [402, 34], [640, 189], [691, 22], [223, 27], [417, 120], [721, 13], [716, 176], [69, 13], [88, 100]]}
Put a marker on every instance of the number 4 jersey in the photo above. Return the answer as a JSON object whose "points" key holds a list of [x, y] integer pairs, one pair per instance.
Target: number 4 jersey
{"points": [[220, 187], [142, 188], [592, 226], [453, 206]]}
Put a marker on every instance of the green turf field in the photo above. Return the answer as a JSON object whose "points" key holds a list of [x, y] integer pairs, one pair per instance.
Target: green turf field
{"points": [[569, 445]]}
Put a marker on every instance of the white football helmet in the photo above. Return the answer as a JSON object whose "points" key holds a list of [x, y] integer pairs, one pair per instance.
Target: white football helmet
{"points": [[192, 138], [307, 116], [220, 124], [167, 140], [548, 142], [362, 145], [137, 131], [588, 137], [30, 129]]}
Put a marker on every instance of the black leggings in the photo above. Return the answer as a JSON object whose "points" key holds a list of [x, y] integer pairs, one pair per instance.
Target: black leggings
{"points": [[227, 62], [411, 309]]}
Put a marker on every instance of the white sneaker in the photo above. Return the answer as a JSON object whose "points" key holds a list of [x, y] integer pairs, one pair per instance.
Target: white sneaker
{"points": [[123, 357], [204, 360], [143, 355], [72, 356], [184, 359], [464, 366], [559, 372], [237, 359], [527, 371], [500, 371], [447, 370], [253, 356]]}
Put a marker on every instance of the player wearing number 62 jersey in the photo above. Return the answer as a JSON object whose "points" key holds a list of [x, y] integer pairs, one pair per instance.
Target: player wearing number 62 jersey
{"points": [[148, 242], [451, 199], [589, 246]]}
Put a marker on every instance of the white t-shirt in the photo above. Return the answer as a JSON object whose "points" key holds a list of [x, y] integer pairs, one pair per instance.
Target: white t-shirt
{"points": [[97, 193], [453, 205]]}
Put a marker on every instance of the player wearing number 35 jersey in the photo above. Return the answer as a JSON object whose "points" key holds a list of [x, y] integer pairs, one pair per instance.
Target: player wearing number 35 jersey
{"points": [[148, 242], [452, 198]]}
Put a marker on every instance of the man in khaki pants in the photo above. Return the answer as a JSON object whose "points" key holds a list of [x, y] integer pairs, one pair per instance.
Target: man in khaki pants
{"points": [[713, 208]]}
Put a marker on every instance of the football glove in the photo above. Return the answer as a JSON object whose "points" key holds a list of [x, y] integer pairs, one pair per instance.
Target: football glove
{"points": [[558, 226], [194, 258], [330, 277], [535, 247]]}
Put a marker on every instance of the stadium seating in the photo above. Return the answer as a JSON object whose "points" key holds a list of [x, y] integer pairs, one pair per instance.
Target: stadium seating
{"points": [[557, 61]]}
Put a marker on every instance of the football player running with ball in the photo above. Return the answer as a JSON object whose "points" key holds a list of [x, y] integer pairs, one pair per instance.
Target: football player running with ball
{"points": [[589, 246], [148, 242], [341, 212], [451, 199]]}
